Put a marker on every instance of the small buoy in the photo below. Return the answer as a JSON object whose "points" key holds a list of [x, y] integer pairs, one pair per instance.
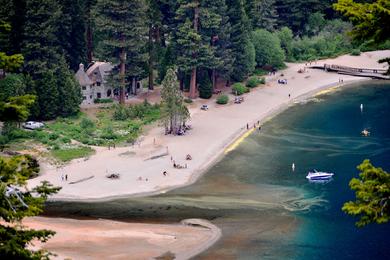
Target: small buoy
{"points": [[293, 166], [361, 107]]}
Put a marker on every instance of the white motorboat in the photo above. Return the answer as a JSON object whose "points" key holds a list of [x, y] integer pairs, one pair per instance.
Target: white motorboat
{"points": [[317, 176]]}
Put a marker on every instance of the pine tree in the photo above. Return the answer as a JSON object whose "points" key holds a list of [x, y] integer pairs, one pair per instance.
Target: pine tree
{"points": [[68, 90], [243, 49], [48, 96], [40, 45], [88, 7], [17, 203], [262, 14], [71, 32], [125, 25], [216, 31], [295, 13], [188, 40], [174, 113]]}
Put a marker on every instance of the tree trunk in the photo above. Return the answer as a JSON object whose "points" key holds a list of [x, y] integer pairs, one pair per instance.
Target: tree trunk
{"points": [[193, 73], [214, 78], [181, 83], [193, 84], [134, 86], [150, 85], [122, 74]]}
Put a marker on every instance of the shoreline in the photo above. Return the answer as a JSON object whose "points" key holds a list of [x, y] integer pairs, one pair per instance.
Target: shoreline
{"points": [[87, 239], [226, 147], [213, 134]]}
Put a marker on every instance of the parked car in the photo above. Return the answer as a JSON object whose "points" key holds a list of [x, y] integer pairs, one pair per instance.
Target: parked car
{"points": [[204, 107], [33, 125], [238, 100]]}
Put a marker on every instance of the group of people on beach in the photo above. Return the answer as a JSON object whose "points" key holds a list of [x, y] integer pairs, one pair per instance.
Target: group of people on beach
{"points": [[255, 125]]}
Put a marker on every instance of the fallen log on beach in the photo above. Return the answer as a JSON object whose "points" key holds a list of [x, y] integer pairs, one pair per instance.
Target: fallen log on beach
{"points": [[81, 180]]}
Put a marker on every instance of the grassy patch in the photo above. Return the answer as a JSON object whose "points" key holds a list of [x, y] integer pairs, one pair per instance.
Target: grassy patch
{"points": [[68, 154]]}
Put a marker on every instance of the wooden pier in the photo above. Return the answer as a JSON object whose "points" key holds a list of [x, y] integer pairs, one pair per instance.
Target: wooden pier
{"points": [[360, 72]]}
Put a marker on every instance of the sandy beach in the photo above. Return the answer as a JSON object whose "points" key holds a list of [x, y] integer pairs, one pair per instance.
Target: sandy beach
{"points": [[106, 239], [215, 131]]}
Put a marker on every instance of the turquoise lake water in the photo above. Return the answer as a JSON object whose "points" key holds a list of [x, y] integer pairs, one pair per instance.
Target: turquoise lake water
{"points": [[267, 211]]}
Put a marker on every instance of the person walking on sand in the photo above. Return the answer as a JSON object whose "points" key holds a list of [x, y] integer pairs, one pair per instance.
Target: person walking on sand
{"points": [[66, 177], [247, 126]]}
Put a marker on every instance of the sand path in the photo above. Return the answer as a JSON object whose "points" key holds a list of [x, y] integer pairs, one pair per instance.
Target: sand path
{"points": [[212, 134]]}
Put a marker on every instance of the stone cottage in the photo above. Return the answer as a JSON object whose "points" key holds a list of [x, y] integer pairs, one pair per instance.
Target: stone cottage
{"points": [[93, 82]]}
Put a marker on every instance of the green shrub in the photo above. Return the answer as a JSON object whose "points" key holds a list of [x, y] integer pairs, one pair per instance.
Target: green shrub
{"points": [[188, 100], [87, 123], [268, 49], [260, 72], [355, 52], [102, 100], [239, 89], [72, 153], [254, 82], [222, 99]]}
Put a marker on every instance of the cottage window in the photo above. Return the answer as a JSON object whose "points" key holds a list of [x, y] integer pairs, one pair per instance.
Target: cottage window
{"points": [[98, 95], [84, 87], [90, 97], [98, 84], [84, 98]]}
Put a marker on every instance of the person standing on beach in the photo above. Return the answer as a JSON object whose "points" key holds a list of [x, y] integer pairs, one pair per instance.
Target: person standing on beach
{"points": [[247, 126], [289, 95], [66, 177]]}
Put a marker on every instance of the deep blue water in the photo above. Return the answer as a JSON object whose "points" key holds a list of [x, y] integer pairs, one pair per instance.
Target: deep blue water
{"points": [[265, 210]]}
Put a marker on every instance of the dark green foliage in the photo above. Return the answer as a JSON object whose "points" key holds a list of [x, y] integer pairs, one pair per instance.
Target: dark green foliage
{"points": [[72, 30], [355, 52], [222, 99], [372, 191], [216, 30], [295, 13], [124, 27], [8, 63], [102, 100], [315, 24], [144, 111], [254, 81], [15, 239], [242, 47], [48, 95], [205, 85], [57, 91], [12, 85], [239, 89], [188, 100], [285, 36], [330, 42], [262, 14], [16, 109], [268, 49], [69, 92], [40, 45]]}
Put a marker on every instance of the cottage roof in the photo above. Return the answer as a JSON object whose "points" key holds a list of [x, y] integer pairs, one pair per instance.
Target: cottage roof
{"points": [[82, 77], [99, 71]]}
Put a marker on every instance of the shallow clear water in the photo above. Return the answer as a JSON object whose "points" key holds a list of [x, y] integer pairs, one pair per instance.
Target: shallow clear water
{"points": [[264, 209]]}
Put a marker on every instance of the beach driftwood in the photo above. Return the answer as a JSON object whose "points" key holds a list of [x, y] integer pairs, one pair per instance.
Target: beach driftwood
{"points": [[81, 180]]}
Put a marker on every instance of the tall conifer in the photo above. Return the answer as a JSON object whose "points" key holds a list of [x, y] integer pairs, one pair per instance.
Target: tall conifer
{"points": [[125, 25]]}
